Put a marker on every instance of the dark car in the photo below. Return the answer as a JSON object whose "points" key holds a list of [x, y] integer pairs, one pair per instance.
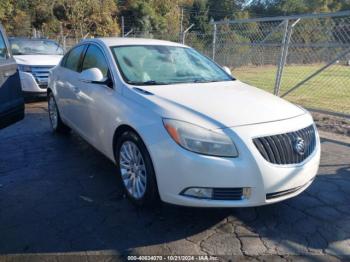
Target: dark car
{"points": [[11, 97]]}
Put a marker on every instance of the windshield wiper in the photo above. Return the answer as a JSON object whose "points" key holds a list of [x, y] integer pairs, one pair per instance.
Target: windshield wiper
{"points": [[210, 81], [148, 83], [204, 81]]}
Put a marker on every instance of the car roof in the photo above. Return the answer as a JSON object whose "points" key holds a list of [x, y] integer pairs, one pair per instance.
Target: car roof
{"points": [[122, 41]]}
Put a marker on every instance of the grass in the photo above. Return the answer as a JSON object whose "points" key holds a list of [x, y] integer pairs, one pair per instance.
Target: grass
{"points": [[329, 90]]}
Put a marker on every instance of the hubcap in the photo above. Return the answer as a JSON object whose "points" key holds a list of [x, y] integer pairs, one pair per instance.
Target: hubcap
{"points": [[133, 169], [53, 112]]}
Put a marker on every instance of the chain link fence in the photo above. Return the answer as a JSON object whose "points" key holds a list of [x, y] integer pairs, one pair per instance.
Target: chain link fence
{"points": [[305, 59]]}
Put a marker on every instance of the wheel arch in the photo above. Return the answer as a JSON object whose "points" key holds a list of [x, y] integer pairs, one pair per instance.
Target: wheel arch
{"points": [[118, 132]]}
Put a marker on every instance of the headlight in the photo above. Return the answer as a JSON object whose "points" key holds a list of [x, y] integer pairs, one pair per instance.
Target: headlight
{"points": [[199, 139], [24, 68]]}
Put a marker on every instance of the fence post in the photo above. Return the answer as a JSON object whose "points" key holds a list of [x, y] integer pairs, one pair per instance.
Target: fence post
{"points": [[64, 44], [181, 24], [214, 41], [282, 59], [285, 46], [123, 27]]}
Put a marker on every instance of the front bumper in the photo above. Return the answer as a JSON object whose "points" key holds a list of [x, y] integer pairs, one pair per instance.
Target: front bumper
{"points": [[177, 168], [29, 84]]}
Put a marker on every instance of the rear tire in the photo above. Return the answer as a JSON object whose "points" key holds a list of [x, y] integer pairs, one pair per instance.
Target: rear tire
{"points": [[134, 166], [55, 119]]}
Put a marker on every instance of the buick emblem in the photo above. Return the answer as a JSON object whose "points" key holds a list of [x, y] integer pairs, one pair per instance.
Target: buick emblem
{"points": [[299, 146]]}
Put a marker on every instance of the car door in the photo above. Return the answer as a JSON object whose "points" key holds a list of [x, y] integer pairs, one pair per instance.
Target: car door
{"points": [[11, 97], [67, 86], [93, 96]]}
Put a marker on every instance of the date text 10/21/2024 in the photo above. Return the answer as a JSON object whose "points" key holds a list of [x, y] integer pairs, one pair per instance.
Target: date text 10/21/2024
{"points": [[172, 258]]}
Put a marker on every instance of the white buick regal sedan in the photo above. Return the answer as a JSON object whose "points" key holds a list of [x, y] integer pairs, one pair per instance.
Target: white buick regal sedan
{"points": [[179, 127]]}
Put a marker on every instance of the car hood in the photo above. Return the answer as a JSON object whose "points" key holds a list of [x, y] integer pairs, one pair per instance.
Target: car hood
{"points": [[38, 60], [226, 104]]}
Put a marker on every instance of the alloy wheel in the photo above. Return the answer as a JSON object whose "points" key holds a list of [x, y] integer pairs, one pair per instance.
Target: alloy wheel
{"points": [[133, 169], [53, 114]]}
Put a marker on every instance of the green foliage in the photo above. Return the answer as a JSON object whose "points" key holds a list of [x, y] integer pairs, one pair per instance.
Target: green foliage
{"points": [[222, 9], [199, 16], [13, 18], [83, 17], [152, 15], [100, 17], [39, 10], [87, 17], [145, 18], [287, 7]]}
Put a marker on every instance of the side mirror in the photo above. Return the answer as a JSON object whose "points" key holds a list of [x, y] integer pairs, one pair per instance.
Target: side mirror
{"points": [[92, 75], [227, 70]]}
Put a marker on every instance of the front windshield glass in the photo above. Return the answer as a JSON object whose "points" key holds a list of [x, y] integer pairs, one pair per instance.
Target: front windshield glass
{"points": [[35, 47], [157, 65]]}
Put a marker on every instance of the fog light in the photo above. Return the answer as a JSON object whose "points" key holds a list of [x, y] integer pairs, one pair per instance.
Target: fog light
{"points": [[199, 192], [247, 191]]}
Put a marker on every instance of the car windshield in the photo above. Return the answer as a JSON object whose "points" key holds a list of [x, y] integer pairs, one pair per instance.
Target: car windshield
{"points": [[160, 65], [35, 47]]}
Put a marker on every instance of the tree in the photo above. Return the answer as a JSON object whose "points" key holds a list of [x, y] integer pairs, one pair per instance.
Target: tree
{"points": [[287, 7], [222, 9], [152, 15], [170, 10], [293, 7], [15, 17], [199, 16], [103, 21], [40, 12], [141, 14], [87, 17]]}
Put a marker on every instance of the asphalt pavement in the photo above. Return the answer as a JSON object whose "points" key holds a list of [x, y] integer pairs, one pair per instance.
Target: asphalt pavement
{"points": [[60, 198]]}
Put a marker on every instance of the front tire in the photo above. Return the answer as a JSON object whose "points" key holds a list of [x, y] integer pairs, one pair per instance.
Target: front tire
{"points": [[136, 170], [55, 119]]}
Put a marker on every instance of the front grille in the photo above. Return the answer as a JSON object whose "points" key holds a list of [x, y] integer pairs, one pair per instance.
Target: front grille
{"points": [[282, 149], [41, 75], [227, 193]]}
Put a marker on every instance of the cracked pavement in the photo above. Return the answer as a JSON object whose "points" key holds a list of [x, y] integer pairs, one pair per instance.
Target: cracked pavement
{"points": [[58, 195]]}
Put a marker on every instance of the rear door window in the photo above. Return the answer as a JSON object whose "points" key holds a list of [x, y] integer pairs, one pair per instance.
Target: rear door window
{"points": [[73, 58]]}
